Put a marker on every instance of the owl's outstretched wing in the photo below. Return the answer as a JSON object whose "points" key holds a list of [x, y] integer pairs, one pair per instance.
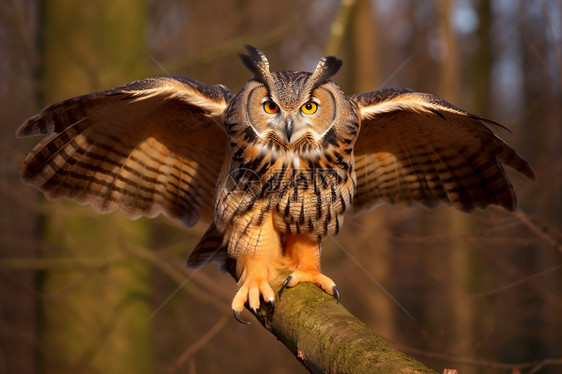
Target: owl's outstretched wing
{"points": [[416, 148], [151, 146]]}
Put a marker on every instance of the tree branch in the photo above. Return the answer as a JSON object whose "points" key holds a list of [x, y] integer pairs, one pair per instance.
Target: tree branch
{"points": [[325, 337]]}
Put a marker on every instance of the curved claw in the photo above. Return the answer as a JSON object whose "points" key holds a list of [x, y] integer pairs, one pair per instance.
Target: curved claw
{"points": [[336, 293], [284, 285], [239, 319]]}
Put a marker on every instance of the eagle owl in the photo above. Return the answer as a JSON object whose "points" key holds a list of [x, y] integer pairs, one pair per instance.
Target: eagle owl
{"points": [[273, 169]]}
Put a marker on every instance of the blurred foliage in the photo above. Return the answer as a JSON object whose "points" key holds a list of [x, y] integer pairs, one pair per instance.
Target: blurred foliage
{"points": [[484, 290]]}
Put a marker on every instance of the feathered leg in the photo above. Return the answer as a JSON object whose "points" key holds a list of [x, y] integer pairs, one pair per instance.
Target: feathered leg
{"points": [[303, 255], [257, 267]]}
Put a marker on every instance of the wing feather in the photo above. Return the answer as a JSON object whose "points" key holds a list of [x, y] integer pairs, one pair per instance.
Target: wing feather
{"points": [[416, 148], [148, 147]]}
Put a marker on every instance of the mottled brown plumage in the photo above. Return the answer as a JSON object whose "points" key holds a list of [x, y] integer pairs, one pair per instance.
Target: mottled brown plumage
{"points": [[273, 169]]}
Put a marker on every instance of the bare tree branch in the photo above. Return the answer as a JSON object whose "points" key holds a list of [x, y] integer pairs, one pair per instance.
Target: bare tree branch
{"points": [[325, 337]]}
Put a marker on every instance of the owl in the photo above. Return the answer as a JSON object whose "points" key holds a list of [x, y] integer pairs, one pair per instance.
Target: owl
{"points": [[273, 169]]}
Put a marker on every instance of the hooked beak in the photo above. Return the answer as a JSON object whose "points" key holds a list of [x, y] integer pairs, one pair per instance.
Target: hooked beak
{"points": [[289, 129]]}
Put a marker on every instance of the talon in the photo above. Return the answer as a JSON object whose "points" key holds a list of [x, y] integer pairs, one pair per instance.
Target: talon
{"points": [[284, 285], [272, 303], [336, 293], [239, 319]]}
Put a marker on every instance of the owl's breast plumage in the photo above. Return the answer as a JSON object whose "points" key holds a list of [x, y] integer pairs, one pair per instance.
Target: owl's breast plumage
{"points": [[313, 197], [302, 195]]}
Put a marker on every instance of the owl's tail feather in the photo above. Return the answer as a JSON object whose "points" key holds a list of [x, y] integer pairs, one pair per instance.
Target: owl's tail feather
{"points": [[209, 249]]}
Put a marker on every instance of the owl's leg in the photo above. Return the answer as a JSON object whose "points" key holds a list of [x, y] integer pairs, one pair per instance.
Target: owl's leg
{"points": [[303, 255], [254, 282], [256, 267]]}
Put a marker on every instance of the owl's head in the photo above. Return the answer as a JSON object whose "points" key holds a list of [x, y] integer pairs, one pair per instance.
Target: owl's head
{"points": [[288, 110]]}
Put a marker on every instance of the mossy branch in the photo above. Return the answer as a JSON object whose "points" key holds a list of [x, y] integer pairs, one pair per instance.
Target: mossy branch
{"points": [[326, 338]]}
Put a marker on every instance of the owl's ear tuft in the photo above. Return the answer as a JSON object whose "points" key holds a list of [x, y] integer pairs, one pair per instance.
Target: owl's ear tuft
{"points": [[327, 67], [257, 63]]}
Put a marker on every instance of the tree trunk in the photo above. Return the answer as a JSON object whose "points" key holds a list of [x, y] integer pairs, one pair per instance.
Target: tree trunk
{"points": [[364, 76], [96, 321], [459, 306]]}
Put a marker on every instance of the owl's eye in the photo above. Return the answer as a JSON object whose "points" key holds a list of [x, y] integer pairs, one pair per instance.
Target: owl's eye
{"points": [[309, 108], [270, 107]]}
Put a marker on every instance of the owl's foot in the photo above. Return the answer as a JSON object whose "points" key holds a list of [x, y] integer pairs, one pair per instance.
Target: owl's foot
{"points": [[250, 291], [302, 253], [313, 276]]}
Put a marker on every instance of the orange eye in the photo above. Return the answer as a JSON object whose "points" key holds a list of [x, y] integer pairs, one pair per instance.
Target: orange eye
{"points": [[309, 108], [270, 107]]}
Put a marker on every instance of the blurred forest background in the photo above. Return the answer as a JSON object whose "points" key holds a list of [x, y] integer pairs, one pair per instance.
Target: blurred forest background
{"points": [[82, 292]]}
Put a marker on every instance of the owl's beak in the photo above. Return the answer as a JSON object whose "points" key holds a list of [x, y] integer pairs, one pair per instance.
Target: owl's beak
{"points": [[289, 129]]}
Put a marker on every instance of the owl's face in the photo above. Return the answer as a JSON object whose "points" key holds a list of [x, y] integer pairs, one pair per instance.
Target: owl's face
{"points": [[288, 111]]}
